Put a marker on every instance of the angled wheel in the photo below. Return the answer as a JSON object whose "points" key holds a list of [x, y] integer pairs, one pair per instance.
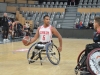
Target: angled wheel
{"points": [[81, 63], [33, 54], [80, 56], [93, 62], [52, 53]]}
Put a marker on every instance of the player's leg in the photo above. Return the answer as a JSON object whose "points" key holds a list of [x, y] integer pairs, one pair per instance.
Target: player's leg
{"points": [[32, 54], [52, 53], [36, 49], [7, 31], [4, 32]]}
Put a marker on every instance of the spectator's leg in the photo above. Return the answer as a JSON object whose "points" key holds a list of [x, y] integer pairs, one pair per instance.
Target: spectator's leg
{"points": [[4, 32], [18, 32], [12, 33], [15, 31], [7, 31]]}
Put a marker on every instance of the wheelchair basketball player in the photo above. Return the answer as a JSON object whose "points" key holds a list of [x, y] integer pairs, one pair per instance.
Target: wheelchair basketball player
{"points": [[84, 63], [96, 37], [44, 33]]}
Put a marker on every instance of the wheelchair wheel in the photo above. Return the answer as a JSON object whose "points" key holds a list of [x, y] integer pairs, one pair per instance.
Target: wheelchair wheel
{"points": [[52, 53], [93, 62], [81, 65], [80, 56], [32, 54]]}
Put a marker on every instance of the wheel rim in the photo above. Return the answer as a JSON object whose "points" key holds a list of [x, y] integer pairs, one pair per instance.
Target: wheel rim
{"points": [[80, 56], [93, 61], [53, 54]]}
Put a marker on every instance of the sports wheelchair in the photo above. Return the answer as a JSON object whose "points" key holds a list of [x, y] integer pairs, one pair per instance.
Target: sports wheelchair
{"points": [[42, 51], [89, 64]]}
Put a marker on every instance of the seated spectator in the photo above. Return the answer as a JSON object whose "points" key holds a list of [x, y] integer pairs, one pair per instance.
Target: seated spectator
{"points": [[81, 25], [26, 30], [10, 27], [10, 35], [72, 2], [14, 29], [77, 25], [19, 28], [90, 25], [27, 25]]}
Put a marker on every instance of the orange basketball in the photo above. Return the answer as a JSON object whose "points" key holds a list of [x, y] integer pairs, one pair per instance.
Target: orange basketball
{"points": [[26, 40]]}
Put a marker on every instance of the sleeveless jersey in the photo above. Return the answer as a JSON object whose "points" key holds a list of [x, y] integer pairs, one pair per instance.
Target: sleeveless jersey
{"points": [[45, 34], [96, 37]]}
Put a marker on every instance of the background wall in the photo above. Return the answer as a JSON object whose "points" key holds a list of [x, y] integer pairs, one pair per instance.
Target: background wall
{"points": [[76, 33]]}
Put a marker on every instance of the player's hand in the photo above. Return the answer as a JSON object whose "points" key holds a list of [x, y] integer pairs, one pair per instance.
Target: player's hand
{"points": [[27, 44], [59, 49]]}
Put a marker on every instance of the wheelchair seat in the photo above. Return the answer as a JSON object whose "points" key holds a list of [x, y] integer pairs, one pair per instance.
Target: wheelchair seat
{"points": [[40, 46]]}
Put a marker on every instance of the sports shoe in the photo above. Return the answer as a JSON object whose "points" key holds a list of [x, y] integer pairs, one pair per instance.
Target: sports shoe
{"points": [[4, 40], [7, 40]]}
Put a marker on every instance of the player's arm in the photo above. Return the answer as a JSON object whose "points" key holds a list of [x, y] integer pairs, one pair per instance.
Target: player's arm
{"points": [[57, 34], [35, 37]]}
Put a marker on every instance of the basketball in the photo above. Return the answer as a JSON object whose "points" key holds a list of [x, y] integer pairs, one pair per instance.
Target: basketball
{"points": [[26, 40]]}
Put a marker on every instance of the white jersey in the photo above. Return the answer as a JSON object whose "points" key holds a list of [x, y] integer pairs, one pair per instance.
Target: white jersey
{"points": [[45, 34]]}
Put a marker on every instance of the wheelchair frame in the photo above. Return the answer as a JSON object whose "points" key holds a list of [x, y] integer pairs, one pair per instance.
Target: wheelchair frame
{"points": [[38, 54], [83, 64]]}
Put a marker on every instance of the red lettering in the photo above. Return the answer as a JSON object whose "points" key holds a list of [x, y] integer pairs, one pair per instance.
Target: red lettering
{"points": [[43, 37], [47, 32], [44, 32]]}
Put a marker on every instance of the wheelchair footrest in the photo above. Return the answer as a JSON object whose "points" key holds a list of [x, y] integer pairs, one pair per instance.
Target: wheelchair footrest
{"points": [[85, 73]]}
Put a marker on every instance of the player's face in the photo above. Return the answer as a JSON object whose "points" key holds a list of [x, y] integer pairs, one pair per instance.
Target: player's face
{"points": [[47, 20], [95, 25]]}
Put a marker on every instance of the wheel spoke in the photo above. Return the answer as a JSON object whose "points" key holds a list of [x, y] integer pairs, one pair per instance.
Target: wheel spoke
{"points": [[55, 58]]}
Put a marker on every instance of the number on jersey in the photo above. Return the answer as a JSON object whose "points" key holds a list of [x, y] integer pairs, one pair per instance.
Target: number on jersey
{"points": [[43, 37]]}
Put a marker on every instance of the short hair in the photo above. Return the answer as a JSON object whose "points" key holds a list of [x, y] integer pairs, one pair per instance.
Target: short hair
{"points": [[97, 19], [5, 13], [45, 16]]}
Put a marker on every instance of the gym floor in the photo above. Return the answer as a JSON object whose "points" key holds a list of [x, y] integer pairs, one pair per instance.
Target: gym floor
{"points": [[13, 59]]}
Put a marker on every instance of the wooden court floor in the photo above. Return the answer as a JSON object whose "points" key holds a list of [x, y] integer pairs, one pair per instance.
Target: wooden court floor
{"points": [[15, 63]]}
